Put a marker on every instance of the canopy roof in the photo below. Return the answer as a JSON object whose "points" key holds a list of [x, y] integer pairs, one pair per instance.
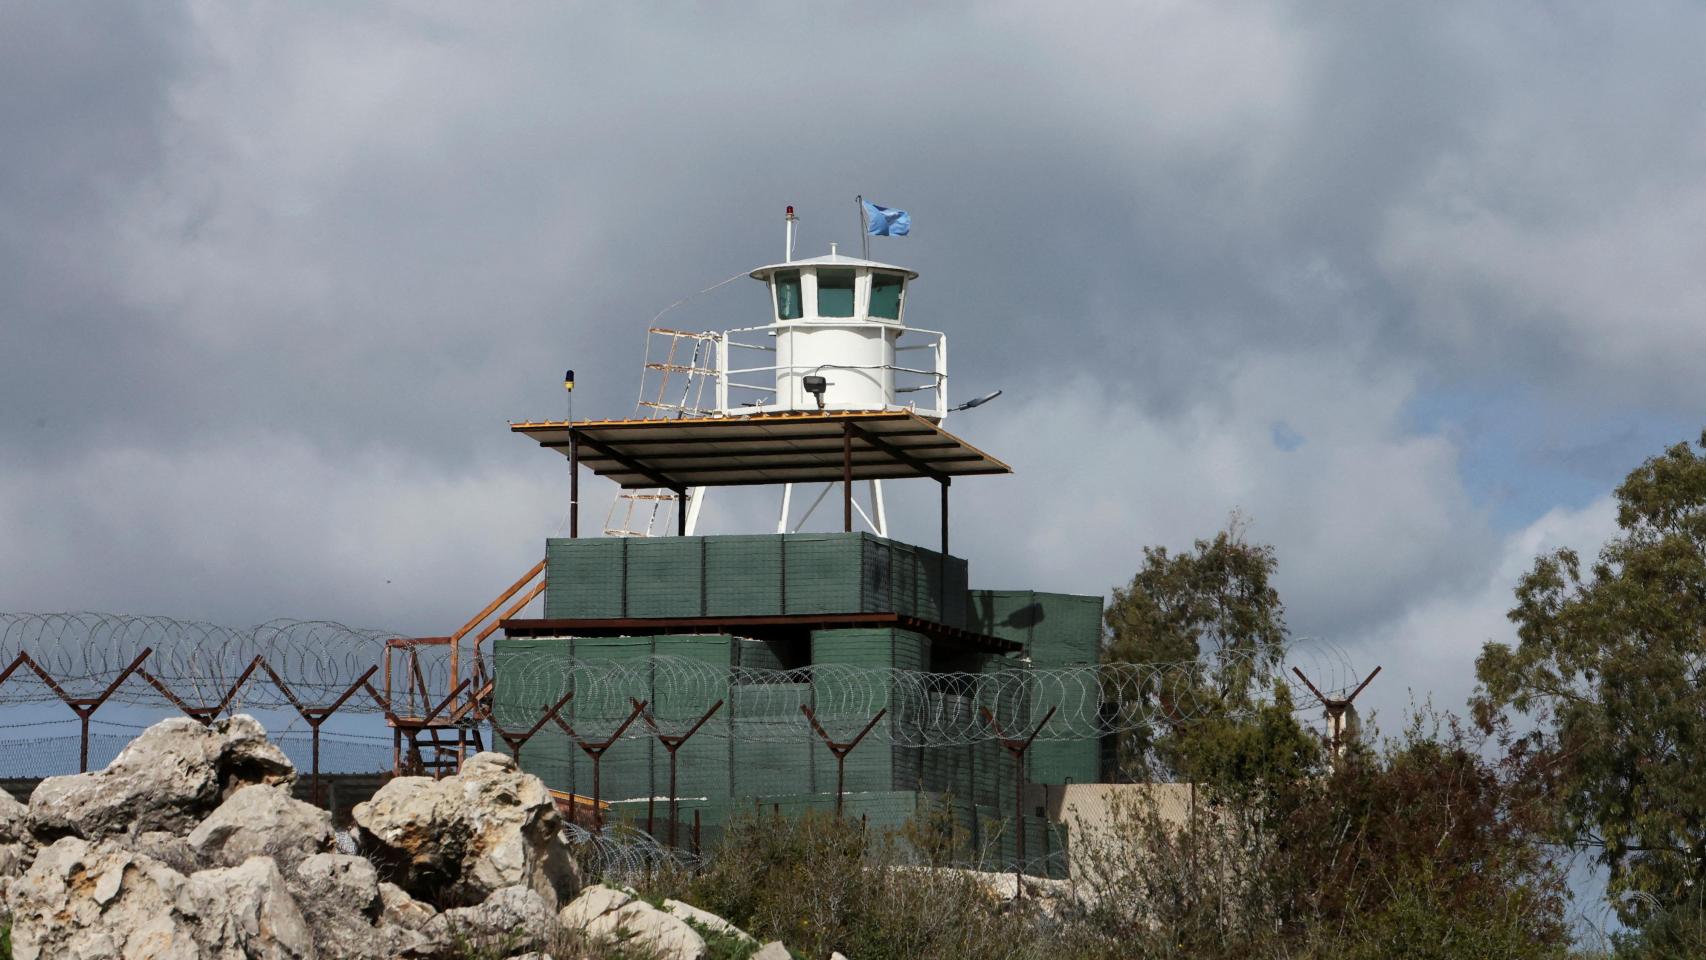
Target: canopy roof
{"points": [[765, 448]]}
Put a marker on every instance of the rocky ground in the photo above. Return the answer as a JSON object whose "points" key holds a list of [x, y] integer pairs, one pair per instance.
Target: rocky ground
{"points": [[190, 846]]}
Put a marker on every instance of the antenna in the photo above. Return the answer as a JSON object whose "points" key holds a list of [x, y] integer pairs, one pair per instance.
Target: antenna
{"points": [[789, 256], [1336, 709]]}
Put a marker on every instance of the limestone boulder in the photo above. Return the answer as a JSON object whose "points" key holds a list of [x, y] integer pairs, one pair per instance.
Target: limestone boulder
{"points": [[17, 847], [399, 909], [342, 901], [707, 920], [262, 821], [606, 913], [774, 950], [82, 901], [510, 921], [246, 911], [458, 840], [594, 902], [167, 779]]}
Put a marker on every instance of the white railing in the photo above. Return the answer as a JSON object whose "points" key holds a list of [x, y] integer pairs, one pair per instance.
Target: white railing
{"points": [[752, 389]]}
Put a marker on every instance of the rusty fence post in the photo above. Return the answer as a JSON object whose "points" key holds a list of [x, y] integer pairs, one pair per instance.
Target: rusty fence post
{"points": [[83, 707], [840, 749], [515, 741], [203, 714], [672, 743], [1016, 746], [596, 750]]}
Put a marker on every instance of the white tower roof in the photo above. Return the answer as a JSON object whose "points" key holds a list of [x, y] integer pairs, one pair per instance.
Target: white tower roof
{"points": [[830, 260]]}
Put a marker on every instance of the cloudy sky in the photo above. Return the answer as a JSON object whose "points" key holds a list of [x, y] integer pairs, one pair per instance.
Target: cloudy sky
{"points": [[1410, 286]]}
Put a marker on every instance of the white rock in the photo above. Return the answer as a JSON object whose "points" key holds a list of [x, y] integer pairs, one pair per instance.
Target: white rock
{"points": [[246, 911], [594, 902], [262, 821], [708, 920], [83, 901], [397, 907], [459, 839], [772, 951], [641, 923], [514, 919], [167, 779]]}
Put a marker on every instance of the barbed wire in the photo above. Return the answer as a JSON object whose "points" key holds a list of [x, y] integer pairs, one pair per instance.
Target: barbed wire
{"points": [[319, 660]]}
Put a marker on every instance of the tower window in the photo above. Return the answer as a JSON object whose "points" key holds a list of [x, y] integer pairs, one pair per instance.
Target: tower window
{"points": [[787, 294], [885, 295], [835, 293]]}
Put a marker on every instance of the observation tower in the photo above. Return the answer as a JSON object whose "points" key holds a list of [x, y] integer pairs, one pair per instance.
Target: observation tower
{"points": [[832, 386]]}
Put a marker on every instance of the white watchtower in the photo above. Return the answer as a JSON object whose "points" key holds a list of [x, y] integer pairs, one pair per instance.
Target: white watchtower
{"points": [[834, 345], [838, 318]]}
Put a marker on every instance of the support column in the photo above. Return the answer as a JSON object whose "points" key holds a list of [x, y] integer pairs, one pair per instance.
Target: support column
{"points": [[681, 511], [847, 477], [945, 482], [574, 484], [942, 561]]}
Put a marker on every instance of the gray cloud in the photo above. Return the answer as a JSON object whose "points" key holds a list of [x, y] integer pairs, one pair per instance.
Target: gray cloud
{"points": [[271, 279]]}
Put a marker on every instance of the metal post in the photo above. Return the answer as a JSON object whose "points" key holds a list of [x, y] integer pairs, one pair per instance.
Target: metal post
{"points": [[847, 477], [671, 743], [840, 749], [942, 561], [597, 790], [596, 752], [673, 815], [681, 511], [574, 484], [945, 481], [1017, 748]]}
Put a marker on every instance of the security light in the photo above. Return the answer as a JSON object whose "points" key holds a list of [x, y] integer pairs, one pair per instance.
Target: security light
{"points": [[815, 386], [980, 401]]}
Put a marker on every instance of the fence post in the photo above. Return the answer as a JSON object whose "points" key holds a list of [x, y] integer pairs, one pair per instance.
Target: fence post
{"points": [[596, 752], [1017, 747], [840, 750], [672, 743]]}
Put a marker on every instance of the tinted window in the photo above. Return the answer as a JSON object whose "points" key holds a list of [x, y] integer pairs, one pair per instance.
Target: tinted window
{"points": [[885, 295], [835, 293], [788, 294]]}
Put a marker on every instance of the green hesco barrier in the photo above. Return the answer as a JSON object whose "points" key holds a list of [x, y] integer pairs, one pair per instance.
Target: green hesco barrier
{"points": [[666, 577], [550, 754], [764, 761], [634, 766], [828, 573], [935, 598], [877, 763], [743, 576], [585, 578], [703, 762], [1057, 629], [751, 575]]}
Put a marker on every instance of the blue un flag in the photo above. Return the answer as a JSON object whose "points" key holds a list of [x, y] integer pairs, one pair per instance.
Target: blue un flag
{"points": [[885, 221]]}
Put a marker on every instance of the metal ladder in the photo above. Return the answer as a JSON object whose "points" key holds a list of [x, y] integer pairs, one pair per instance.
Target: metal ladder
{"points": [[672, 388]]}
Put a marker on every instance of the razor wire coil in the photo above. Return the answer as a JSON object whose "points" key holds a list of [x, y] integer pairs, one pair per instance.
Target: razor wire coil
{"points": [[319, 660]]}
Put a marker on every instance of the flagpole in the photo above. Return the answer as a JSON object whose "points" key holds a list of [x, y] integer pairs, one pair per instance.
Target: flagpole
{"points": [[864, 229]]}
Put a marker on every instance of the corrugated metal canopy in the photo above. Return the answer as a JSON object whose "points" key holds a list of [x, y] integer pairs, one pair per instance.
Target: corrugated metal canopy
{"points": [[764, 448]]}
